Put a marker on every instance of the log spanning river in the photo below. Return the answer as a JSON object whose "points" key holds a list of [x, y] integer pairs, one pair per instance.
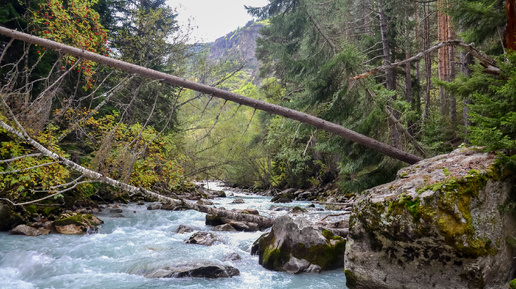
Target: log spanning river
{"points": [[141, 241]]}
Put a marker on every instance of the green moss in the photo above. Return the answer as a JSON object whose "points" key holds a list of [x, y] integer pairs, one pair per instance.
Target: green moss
{"points": [[48, 211], [31, 209], [512, 284], [274, 259], [327, 234], [511, 241], [351, 279], [75, 220], [446, 172], [449, 209]]}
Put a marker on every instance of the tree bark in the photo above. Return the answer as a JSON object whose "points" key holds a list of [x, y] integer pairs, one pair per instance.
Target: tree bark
{"points": [[443, 55], [257, 104], [390, 73], [510, 30], [428, 63], [466, 61]]}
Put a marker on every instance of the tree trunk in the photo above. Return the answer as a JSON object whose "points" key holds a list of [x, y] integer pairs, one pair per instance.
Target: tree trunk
{"points": [[428, 64], [466, 60], [418, 70], [443, 55], [390, 73], [408, 75], [257, 104], [510, 30]]}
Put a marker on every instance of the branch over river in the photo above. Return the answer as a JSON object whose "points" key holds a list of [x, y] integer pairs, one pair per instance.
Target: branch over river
{"points": [[257, 104]]}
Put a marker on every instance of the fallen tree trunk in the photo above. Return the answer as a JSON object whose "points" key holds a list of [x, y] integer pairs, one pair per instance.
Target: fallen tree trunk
{"points": [[260, 220], [257, 104]]}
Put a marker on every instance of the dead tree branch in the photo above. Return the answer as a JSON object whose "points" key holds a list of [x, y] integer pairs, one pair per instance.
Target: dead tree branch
{"points": [[490, 64]]}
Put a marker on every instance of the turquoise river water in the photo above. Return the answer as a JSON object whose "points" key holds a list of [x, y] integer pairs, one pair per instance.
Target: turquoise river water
{"points": [[141, 241]]}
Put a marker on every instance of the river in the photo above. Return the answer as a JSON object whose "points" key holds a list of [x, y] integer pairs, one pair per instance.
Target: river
{"points": [[141, 241]]}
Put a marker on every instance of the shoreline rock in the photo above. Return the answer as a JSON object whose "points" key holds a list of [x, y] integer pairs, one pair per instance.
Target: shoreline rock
{"points": [[445, 222], [77, 224]]}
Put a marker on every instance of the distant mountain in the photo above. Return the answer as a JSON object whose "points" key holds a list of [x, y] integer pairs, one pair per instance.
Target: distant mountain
{"points": [[239, 45]]}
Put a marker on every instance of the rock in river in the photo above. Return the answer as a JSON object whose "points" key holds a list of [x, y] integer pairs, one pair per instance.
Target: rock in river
{"points": [[202, 238], [29, 231], [446, 222], [205, 270], [77, 224], [297, 245]]}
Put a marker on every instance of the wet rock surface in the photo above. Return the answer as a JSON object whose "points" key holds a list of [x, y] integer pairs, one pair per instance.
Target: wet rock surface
{"points": [[77, 224], [204, 270], [202, 238], [297, 245], [182, 229], [445, 222], [29, 231]]}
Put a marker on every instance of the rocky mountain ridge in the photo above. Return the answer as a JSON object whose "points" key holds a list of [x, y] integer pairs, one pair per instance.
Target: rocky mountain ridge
{"points": [[239, 45]]}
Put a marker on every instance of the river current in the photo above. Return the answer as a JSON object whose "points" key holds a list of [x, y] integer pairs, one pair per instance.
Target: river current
{"points": [[141, 241]]}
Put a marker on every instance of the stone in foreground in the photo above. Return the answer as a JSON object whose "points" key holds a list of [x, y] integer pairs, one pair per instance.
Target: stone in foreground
{"points": [[297, 245], [446, 222]]}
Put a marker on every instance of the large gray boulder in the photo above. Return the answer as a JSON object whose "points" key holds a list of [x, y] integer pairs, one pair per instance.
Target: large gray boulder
{"points": [[446, 222], [297, 245]]}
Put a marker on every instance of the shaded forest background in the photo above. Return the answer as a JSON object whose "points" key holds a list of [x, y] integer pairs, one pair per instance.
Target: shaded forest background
{"points": [[337, 59]]}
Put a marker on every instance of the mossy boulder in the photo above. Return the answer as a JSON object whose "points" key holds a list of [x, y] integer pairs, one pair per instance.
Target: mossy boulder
{"points": [[297, 245], [77, 224], [442, 224]]}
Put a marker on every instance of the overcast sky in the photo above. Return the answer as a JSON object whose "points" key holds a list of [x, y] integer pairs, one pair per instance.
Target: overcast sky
{"points": [[213, 18]]}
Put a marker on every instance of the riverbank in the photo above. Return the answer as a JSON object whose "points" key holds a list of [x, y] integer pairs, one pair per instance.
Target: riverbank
{"points": [[142, 240]]}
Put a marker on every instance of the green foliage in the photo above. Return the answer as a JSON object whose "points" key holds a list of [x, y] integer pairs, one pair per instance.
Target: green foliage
{"points": [[478, 20], [135, 154], [31, 173], [493, 108], [74, 23]]}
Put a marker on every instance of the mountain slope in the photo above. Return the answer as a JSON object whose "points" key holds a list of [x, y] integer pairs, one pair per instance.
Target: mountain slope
{"points": [[239, 45]]}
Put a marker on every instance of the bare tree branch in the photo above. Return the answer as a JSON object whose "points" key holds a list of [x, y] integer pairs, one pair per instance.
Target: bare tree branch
{"points": [[28, 169], [490, 64], [242, 135], [20, 157]]}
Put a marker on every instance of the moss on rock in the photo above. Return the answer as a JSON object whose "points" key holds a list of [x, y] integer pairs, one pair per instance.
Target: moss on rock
{"points": [[287, 240], [442, 216]]}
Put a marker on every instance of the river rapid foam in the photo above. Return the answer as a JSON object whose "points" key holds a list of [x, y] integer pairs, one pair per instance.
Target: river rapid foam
{"points": [[143, 240]]}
